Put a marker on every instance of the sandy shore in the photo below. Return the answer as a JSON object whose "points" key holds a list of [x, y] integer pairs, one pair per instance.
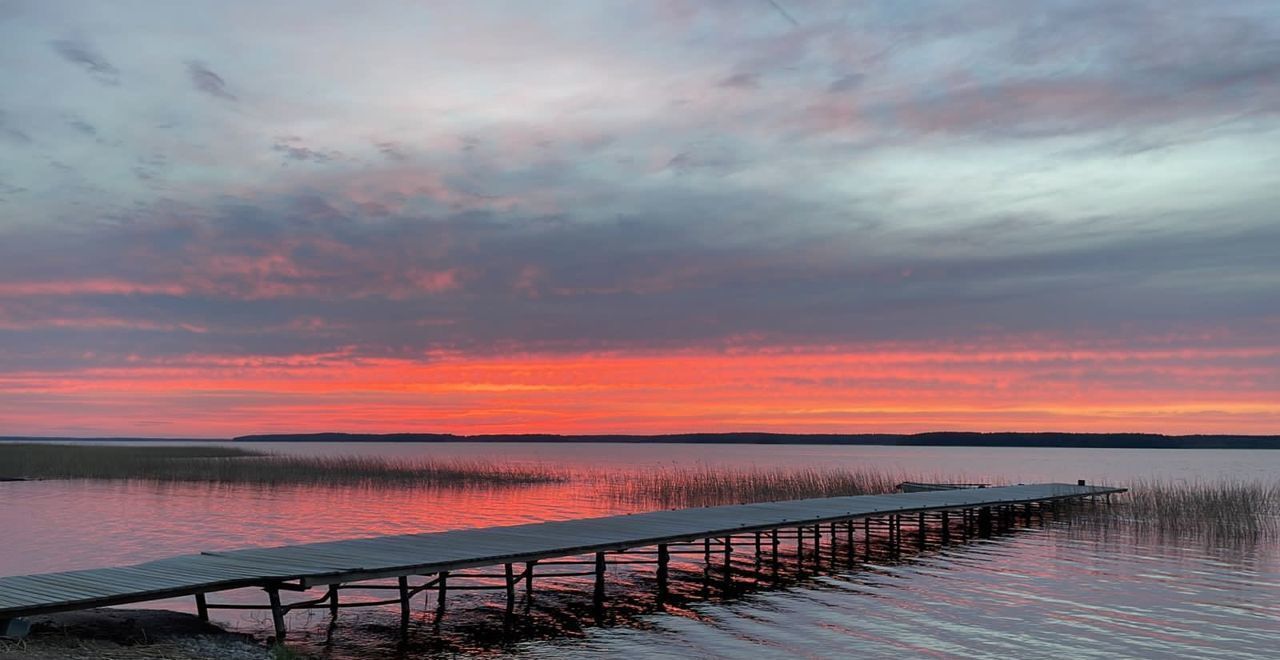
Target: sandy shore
{"points": [[119, 634]]}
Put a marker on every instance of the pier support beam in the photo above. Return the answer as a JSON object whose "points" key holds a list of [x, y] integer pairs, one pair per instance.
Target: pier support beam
{"points": [[728, 564], [528, 583], [664, 559], [597, 598], [403, 584], [277, 613], [510, 582], [442, 588], [921, 529], [333, 604], [202, 608]]}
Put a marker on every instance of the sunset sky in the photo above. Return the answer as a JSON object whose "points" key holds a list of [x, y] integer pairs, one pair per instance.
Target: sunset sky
{"points": [[222, 217]]}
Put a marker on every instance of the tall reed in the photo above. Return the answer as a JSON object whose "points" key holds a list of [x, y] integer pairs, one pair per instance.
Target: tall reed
{"points": [[705, 485], [1223, 508]]}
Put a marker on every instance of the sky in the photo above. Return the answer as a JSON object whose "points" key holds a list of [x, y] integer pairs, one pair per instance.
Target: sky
{"points": [[226, 217]]}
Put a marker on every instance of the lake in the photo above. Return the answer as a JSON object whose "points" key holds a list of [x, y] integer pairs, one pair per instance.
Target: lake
{"points": [[1048, 591]]}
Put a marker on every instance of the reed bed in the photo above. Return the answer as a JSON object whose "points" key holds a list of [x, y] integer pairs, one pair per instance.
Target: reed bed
{"points": [[674, 487], [1221, 509], [231, 465]]}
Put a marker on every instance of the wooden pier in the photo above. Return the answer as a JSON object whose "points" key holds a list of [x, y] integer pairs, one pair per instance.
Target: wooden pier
{"points": [[816, 529]]}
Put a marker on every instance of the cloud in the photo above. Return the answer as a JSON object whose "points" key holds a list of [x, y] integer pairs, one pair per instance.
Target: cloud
{"points": [[391, 150], [205, 80], [81, 126], [12, 133], [293, 149], [745, 80], [84, 56], [846, 83]]}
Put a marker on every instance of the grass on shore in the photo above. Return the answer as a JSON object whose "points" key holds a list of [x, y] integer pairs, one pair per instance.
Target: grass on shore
{"points": [[232, 465]]}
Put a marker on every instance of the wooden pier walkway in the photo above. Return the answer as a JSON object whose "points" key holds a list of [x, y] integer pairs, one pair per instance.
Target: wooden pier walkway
{"points": [[434, 555]]}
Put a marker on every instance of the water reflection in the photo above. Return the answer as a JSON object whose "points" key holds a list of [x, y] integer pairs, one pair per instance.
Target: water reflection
{"points": [[1089, 589]]}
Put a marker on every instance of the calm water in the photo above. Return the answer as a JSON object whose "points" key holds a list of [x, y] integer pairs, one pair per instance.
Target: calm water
{"points": [[1042, 592]]}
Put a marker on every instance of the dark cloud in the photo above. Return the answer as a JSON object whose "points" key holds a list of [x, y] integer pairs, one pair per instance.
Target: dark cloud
{"points": [[846, 83], [391, 151], [205, 80], [741, 81], [81, 126], [312, 273], [293, 149], [84, 56], [10, 132]]}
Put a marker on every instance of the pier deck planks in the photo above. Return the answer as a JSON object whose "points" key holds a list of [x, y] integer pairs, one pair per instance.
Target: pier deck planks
{"points": [[332, 562]]}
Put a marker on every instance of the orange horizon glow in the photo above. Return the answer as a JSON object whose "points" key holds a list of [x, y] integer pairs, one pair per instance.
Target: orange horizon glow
{"points": [[889, 388]]}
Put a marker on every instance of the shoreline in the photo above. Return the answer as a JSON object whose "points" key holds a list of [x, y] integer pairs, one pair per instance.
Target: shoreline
{"points": [[122, 634], [1003, 439]]}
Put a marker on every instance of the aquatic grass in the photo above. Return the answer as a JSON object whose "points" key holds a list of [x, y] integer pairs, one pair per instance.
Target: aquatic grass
{"points": [[706, 485], [232, 465], [1223, 508]]}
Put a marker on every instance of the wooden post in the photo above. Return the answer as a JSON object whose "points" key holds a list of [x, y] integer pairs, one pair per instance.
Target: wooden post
{"points": [[511, 587], [800, 549], [866, 533], [706, 565], [528, 582], [920, 528], [277, 613], [333, 603], [598, 595], [403, 582], [442, 588], [202, 608], [757, 552], [946, 528], [848, 528], [984, 522], [834, 557], [817, 546], [774, 548], [728, 563], [664, 558]]}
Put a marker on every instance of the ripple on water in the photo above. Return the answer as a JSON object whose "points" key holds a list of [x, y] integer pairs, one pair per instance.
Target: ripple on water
{"points": [[1039, 594]]}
